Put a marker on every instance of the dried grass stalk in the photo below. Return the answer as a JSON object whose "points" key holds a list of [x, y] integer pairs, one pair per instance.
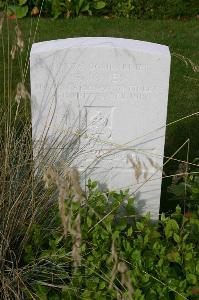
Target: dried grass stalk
{"points": [[77, 237], [120, 268], [183, 170], [19, 41], [137, 166], [1, 21], [21, 93], [113, 258], [68, 187]]}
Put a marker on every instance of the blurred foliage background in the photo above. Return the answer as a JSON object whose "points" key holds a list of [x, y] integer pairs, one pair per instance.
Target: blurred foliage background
{"points": [[145, 9]]}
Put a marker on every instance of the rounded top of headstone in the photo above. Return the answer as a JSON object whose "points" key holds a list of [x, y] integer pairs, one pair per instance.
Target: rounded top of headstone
{"points": [[84, 42]]}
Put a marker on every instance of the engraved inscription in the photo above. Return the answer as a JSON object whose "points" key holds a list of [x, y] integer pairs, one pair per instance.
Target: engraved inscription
{"points": [[103, 67], [119, 92], [99, 121]]}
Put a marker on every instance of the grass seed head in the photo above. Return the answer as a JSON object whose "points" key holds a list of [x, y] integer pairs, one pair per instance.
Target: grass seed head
{"points": [[13, 51], [137, 166], [22, 93], [20, 42], [182, 170], [75, 181]]}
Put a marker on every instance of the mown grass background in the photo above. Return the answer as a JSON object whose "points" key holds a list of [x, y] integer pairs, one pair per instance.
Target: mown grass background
{"points": [[182, 37]]}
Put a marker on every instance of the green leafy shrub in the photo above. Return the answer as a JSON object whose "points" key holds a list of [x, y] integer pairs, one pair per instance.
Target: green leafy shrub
{"points": [[185, 187], [113, 254], [175, 8], [121, 8], [76, 7], [154, 8], [18, 8], [124, 8]]}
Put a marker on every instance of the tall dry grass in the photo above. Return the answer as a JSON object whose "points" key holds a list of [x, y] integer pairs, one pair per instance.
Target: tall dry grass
{"points": [[19, 207], [24, 201]]}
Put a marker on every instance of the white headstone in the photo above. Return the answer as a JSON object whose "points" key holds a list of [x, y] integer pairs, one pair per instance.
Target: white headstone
{"points": [[110, 95]]}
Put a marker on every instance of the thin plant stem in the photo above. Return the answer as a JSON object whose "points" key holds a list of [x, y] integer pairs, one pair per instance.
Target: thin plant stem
{"points": [[163, 166], [34, 37], [185, 187]]}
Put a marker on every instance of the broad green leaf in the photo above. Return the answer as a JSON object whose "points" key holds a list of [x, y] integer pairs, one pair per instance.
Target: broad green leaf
{"points": [[80, 3], [146, 239], [195, 190], [168, 231], [188, 256], [90, 258], [63, 5], [191, 278], [127, 246], [171, 227], [183, 285], [22, 2], [155, 234], [151, 295], [138, 295], [163, 218], [136, 256], [116, 234], [176, 238], [99, 4], [129, 232], [19, 11], [178, 209], [185, 236], [140, 226], [85, 8], [56, 16], [86, 295], [197, 268], [130, 207], [174, 256], [146, 278], [160, 262], [83, 247], [179, 297], [102, 285]]}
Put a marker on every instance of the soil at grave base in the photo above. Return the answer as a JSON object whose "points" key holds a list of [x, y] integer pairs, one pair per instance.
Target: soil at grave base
{"points": [[195, 292]]}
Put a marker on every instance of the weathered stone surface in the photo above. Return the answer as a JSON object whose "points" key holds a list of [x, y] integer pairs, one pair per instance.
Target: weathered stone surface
{"points": [[116, 92]]}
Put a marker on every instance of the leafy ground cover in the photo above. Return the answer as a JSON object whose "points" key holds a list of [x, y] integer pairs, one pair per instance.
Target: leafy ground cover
{"points": [[121, 8], [97, 248]]}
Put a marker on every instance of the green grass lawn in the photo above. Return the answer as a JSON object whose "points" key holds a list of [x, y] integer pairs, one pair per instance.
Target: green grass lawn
{"points": [[182, 37]]}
